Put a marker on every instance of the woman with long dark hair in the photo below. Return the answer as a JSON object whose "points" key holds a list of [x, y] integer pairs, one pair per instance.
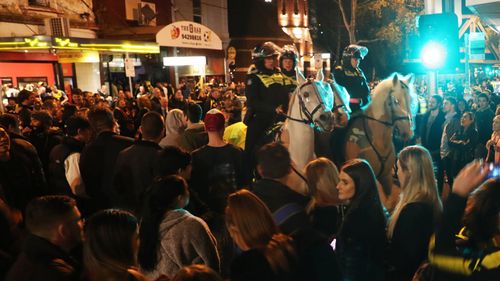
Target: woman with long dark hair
{"points": [[110, 246], [361, 239], [171, 237]]}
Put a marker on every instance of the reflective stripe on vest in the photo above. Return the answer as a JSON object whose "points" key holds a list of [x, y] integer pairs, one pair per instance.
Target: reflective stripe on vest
{"points": [[269, 80]]}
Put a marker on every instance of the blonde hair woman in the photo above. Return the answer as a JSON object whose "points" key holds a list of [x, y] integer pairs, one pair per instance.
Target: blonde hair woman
{"points": [[412, 223], [324, 207], [267, 253]]}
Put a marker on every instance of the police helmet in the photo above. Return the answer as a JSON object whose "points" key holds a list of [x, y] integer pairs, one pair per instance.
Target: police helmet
{"points": [[353, 51], [265, 50], [289, 52]]}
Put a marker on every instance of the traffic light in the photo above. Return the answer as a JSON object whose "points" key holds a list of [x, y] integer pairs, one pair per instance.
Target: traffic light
{"points": [[439, 47]]}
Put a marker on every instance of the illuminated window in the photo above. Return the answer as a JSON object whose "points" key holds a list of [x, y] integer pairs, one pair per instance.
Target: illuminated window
{"points": [[41, 3], [197, 11]]}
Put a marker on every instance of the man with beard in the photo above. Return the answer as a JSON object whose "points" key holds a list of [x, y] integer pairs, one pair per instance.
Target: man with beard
{"points": [[25, 99], [43, 136]]}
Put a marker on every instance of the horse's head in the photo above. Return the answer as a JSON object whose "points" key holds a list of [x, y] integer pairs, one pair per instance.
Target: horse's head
{"points": [[397, 96], [341, 108], [316, 102]]}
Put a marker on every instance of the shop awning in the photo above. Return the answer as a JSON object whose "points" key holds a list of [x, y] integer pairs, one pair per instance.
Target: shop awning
{"points": [[77, 44]]}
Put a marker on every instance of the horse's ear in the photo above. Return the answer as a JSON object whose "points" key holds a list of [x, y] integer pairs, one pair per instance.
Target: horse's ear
{"points": [[320, 76], [395, 79], [410, 78], [300, 77]]}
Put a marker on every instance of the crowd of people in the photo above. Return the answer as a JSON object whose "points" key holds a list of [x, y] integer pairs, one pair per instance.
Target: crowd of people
{"points": [[166, 184]]}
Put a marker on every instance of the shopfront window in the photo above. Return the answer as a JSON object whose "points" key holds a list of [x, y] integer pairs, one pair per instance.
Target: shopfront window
{"points": [[39, 3]]}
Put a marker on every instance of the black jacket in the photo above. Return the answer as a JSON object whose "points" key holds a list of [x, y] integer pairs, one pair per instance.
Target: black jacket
{"points": [[361, 244], [463, 145], [265, 91], [354, 81], [431, 137], [484, 119], [57, 172], [41, 260], [97, 164], [134, 172], [410, 240], [276, 195], [22, 178]]}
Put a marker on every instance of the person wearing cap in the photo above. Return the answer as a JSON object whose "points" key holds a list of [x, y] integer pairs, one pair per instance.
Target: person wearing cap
{"points": [[266, 96], [288, 63], [352, 78], [217, 166]]}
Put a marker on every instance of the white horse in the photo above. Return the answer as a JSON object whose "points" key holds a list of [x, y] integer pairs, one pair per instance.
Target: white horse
{"points": [[314, 105]]}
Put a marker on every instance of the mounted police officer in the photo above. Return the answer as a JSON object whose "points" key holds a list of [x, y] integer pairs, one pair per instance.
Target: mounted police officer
{"points": [[266, 96], [350, 76], [288, 62]]}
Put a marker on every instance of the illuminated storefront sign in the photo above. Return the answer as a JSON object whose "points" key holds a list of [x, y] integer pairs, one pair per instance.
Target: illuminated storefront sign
{"points": [[82, 44], [188, 34]]}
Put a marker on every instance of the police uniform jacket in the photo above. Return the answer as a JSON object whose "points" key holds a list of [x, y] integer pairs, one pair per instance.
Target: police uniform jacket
{"points": [[265, 92], [354, 80]]}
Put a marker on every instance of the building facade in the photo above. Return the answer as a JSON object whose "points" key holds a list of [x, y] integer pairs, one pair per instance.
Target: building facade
{"points": [[143, 20]]}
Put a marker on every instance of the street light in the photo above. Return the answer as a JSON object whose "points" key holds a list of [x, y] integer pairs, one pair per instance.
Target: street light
{"points": [[433, 55]]}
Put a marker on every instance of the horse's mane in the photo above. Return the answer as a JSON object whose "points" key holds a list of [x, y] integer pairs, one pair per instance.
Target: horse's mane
{"points": [[380, 92]]}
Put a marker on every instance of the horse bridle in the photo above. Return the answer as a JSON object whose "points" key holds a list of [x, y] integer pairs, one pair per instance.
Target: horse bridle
{"points": [[342, 104], [394, 119], [308, 120]]}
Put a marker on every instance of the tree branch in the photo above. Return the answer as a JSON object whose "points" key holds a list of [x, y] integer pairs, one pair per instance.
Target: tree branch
{"points": [[344, 18], [369, 41]]}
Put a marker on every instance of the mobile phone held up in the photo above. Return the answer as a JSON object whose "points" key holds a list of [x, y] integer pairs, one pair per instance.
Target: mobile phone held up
{"points": [[494, 171]]}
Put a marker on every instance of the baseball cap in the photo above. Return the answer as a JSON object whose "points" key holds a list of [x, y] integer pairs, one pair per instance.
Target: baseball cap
{"points": [[214, 120]]}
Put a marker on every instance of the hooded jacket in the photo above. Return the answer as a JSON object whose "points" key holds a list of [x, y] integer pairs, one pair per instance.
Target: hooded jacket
{"points": [[174, 126], [184, 240]]}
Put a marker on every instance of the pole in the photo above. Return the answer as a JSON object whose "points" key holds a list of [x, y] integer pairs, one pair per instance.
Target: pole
{"points": [[467, 63], [110, 91], [2, 109], [432, 75], [129, 78]]}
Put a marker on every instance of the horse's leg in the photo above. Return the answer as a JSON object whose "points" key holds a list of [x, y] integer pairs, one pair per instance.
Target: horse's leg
{"points": [[322, 145], [388, 200], [390, 192]]}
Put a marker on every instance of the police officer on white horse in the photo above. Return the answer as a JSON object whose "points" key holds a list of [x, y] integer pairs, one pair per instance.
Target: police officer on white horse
{"points": [[288, 63], [266, 96], [351, 77]]}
